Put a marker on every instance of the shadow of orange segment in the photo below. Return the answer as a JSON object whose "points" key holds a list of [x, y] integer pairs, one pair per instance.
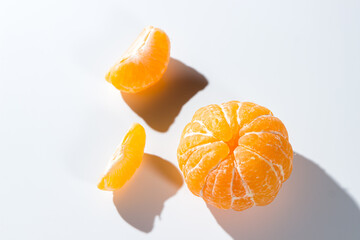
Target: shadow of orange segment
{"points": [[160, 104], [142, 197]]}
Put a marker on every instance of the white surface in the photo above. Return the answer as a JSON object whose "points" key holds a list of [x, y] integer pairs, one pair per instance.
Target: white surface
{"points": [[60, 120]]}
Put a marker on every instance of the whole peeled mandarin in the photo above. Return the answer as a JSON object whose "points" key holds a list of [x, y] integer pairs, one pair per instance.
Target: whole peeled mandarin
{"points": [[235, 155]]}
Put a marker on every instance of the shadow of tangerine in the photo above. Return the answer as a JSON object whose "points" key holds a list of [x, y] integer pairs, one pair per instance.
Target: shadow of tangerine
{"points": [[310, 205], [142, 198], [160, 104]]}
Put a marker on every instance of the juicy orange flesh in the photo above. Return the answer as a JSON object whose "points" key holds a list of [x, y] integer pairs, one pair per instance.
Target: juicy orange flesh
{"points": [[235, 155], [143, 64], [125, 160]]}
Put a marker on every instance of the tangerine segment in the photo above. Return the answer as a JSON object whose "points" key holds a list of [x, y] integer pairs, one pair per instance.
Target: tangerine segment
{"points": [[258, 174], [235, 155], [220, 193], [143, 64], [213, 119], [273, 148], [201, 161], [125, 160]]}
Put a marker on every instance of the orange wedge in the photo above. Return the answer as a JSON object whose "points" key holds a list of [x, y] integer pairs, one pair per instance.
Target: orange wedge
{"points": [[126, 159], [143, 64]]}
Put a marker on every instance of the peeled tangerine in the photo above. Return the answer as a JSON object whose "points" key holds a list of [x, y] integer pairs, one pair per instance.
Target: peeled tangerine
{"points": [[235, 155], [143, 64], [126, 159]]}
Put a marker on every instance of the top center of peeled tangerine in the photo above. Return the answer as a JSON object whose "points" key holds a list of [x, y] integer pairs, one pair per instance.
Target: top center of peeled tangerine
{"points": [[235, 155]]}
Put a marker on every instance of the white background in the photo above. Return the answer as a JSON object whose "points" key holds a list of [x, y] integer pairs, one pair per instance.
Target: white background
{"points": [[60, 120]]}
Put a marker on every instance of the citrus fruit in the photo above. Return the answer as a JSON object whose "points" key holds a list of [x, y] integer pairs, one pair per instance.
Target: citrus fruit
{"points": [[235, 155], [125, 160], [143, 64]]}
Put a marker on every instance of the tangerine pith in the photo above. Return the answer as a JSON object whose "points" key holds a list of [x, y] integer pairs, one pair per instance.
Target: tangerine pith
{"points": [[235, 155]]}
